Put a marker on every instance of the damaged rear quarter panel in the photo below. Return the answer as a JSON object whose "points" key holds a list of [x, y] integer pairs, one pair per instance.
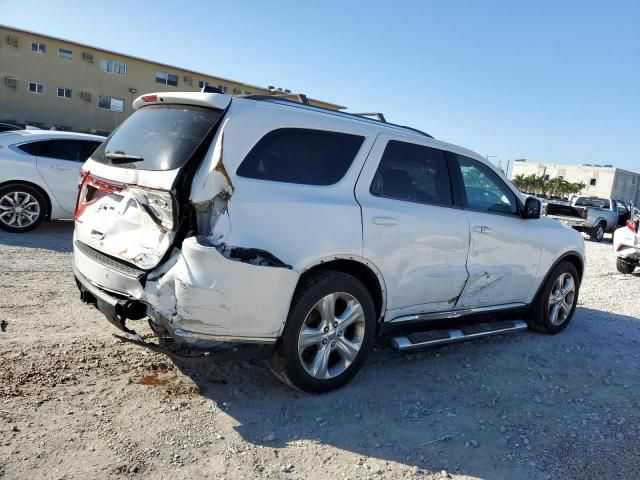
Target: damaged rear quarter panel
{"points": [[210, 294]]}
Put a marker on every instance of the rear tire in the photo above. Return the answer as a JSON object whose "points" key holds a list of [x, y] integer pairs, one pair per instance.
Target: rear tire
{"points": [[329, 332], [624, 267], [22, 208], [556, 302], [597, 233]]}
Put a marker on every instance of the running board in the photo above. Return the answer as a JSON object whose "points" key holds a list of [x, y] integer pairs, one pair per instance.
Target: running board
{"points": [[441, 337]]}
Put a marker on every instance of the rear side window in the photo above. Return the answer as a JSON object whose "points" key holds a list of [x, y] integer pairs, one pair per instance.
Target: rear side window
{"points": [[74, 150], [298, 155], [414, 173], [32, 148], [158, 137]]}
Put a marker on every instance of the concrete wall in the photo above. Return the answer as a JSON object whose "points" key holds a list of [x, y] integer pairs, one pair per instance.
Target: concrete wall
{"points": [[571, 173], [610, 182], [626, 186], [53, 71]]}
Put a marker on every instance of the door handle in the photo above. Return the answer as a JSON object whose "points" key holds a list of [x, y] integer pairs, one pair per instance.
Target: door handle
{"points": [[481, 229], [60, 168], [386, 221]]}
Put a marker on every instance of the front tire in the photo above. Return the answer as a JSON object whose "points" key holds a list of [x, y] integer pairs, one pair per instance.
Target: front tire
{"points": [[22, 208], [329, 332], [624, 267], [556, 302]]}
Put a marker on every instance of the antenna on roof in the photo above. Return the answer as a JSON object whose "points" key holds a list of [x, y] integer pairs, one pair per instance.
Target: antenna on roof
{"points": [[377, 115]]}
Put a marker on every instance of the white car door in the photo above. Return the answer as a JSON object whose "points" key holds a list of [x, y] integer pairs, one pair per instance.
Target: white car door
{"points": [[59, 163], [505, 249], [412, 231]]}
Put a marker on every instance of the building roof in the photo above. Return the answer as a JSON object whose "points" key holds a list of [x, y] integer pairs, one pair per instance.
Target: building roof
{"points": [[133, 57]]}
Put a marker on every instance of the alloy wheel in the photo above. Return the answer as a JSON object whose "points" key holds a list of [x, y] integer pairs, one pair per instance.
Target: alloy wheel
{"points": [[19, 209], [561, 298], [331, 335]]}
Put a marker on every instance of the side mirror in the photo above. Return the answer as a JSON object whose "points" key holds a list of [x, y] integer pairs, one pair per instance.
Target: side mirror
{"points": [[532, 208]]}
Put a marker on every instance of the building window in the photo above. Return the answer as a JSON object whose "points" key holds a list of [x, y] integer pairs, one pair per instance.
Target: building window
{"points": [[222, 88], [113, 66], [237, 91], [592, 182], [37, 47], [113, 104], [34, 87], [202, 84], [167, 78], [64, 92], [65, 53]]}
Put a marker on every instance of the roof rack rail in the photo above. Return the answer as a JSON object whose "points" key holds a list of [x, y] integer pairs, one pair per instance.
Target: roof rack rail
{"points": [[378, 116], [360, 116]]}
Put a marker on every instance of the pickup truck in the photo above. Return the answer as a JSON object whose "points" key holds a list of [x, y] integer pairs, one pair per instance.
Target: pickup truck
{"points": [[591, 215]]}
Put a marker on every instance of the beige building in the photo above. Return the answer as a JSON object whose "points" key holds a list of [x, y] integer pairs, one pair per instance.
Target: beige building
{"points": [[600, 181], [47, 82]]}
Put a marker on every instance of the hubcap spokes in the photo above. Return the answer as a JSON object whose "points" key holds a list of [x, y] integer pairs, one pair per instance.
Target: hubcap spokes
{"points": [[18, 209], [561, 299], [331, 335]]}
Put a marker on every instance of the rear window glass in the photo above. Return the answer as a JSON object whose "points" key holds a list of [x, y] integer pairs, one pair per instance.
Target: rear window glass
{"points": [[158, 137], [298, 155], [593, 202]]}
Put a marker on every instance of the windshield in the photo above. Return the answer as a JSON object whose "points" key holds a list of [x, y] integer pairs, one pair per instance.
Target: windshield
{"points": [[593, 202], [157, 137]]}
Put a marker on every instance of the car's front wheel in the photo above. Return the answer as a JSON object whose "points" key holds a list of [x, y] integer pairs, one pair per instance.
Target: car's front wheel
{"points": [[556, 302], [328, 334], [22, 208]]}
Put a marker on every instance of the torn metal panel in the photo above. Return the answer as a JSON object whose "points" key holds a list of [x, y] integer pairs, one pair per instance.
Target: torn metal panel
{"points": [[129, 223], [214, 290]]}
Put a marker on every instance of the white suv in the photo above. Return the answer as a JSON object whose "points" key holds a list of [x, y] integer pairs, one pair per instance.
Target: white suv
{"points": [[307, 234]]}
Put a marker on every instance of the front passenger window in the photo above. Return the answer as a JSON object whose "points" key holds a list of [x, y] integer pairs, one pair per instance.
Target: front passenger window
{"points": [[484, 189]]}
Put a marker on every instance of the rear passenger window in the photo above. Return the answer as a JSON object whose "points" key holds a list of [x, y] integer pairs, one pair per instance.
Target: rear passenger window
{"points": [[63, 150], [414, 173], [297, 155], [32, 148]]}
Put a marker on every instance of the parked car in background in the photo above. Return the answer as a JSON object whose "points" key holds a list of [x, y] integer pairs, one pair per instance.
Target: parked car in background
{"points": [[592, 215], [39, 172], [256, 221], [626, 246]]}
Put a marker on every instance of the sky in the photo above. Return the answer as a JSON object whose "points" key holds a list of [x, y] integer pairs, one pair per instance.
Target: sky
{"points": [[543, 80]]}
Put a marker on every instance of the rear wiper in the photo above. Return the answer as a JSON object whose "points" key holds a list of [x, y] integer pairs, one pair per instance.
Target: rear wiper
{"points": [[123, 158]]}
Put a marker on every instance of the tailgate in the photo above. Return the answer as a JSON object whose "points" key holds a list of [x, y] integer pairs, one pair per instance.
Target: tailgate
{"points": [[129, 204]]}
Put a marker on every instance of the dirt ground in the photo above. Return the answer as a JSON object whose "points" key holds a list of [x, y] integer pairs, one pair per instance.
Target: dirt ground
{"points": [[76, 404]]}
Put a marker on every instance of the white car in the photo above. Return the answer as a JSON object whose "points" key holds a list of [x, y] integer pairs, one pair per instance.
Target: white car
{"points": [[303, 234], [39, 175], [626, 245]]}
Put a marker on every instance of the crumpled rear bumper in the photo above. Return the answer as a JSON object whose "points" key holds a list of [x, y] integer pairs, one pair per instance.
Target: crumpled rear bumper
{"points": [[200, 297]]}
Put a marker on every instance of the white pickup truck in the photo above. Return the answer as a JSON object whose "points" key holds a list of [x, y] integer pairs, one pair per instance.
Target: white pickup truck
{"points": [[592, 215]]}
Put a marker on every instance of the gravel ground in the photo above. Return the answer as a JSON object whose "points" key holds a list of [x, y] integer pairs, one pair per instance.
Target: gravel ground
{"points": [[75, 403]]}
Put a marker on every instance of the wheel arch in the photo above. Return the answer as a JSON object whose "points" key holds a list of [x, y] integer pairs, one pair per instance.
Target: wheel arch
{"points": [[359, 268], [573, 257], [35, 186]]}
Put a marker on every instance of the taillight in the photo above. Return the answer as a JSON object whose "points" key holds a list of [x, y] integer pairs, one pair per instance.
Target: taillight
{"points": [[632, 225], [91, 190], [82, 193], [149, 98]]}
